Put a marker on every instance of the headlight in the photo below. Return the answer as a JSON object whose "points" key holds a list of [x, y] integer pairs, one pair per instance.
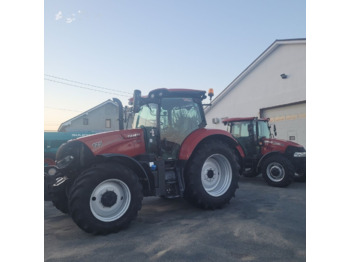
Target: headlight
{"points": [[52, 171], [63, 163], [299, 154]]}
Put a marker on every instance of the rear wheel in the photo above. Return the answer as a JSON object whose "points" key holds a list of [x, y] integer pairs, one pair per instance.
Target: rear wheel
{"points": [[278, 171], [212, 176], [105, 199]]}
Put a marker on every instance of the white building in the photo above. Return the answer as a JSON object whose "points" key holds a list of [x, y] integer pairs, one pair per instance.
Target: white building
{"points": [[273, 86]]}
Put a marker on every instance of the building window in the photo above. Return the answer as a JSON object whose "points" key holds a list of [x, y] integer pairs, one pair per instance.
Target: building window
{"points": [[85, 121], [108, 123]]}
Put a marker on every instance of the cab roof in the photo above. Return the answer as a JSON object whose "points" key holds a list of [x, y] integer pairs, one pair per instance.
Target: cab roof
{"points": [[165, 92], [177, 93], [241, 119]]}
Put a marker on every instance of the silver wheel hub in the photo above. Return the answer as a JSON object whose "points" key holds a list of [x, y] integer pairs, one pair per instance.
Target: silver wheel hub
{"points": [[110, 200], [216, 175], [275, 172]]}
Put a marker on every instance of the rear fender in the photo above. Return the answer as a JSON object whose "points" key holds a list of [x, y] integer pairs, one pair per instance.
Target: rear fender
{"points": [[201, 136], [132, 164]]}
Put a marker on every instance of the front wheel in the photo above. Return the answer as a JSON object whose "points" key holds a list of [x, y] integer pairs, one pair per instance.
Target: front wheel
{"points": [[211, 176], [105, 199], [58, 196], [300, 176], [278, 171]]}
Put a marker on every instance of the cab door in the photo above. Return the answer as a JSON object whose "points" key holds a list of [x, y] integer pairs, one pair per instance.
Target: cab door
{"points": [[146, 119], [178, 118], [245, 133]]}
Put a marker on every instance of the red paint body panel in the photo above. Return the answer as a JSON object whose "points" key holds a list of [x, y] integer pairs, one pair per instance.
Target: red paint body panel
{"points": [[240, 150], [272, 144], [195, 137], [126, 142]]}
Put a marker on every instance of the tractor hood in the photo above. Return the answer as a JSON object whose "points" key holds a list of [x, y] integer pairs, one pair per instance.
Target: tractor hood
{"points": [[281, 142], [78, 154], [272, 144], [126, 142]]}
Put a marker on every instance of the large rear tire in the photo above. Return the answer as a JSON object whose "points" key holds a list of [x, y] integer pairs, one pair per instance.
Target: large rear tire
{"points": [[212, 176], [105, 199], [278, 171]]}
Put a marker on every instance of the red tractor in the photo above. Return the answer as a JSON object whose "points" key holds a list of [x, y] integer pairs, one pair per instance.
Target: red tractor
{"points": [[101, 179], [279, 161]]}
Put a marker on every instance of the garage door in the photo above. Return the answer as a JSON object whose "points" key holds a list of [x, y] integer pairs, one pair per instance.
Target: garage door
{"points": [[290, 121]]}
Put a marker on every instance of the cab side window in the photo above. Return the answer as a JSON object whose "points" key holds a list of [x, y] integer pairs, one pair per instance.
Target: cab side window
{"points": [[178, 118]]}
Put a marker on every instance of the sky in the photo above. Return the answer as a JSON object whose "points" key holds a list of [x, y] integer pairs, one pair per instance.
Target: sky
{"points": [[97, 50]]}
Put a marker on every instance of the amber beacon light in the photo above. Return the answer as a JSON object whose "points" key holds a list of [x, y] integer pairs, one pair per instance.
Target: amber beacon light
{"points": [[211, 93]]}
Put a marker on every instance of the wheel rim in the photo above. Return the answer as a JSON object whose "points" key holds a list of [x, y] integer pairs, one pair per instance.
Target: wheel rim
{"points": [[216, 175], [110, 200], [275, 172]]}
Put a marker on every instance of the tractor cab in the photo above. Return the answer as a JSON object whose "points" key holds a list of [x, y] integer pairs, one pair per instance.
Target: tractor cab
{"points": [[250, 132], [167, 117]]}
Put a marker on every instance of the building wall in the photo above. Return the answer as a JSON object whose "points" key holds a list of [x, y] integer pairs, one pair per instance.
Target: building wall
{"points": [[290, 121], [263, 86], [96, 120]]}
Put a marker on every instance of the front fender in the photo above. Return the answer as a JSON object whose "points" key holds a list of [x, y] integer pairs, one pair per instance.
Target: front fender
{"points": [[129, 162], [265, 157]]}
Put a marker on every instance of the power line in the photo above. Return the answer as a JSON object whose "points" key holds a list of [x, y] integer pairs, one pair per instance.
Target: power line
{"points": [[59, 82], [63, 109], [73, 81], [80, 83]]}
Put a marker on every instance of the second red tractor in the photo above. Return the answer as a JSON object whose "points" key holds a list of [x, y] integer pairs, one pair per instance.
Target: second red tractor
{"points": [[279, 161]]}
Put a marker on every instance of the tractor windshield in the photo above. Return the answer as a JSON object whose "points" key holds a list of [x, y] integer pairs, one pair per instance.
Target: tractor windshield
{"points": [[146, 117], [264, 130]]}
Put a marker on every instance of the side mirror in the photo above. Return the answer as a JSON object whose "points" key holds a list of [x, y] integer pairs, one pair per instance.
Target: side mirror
{"points": [[275, 130], [137, 101]]}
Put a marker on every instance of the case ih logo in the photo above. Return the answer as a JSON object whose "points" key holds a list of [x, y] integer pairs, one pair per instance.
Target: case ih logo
{"points": [[97, 144], [133, 135]]}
